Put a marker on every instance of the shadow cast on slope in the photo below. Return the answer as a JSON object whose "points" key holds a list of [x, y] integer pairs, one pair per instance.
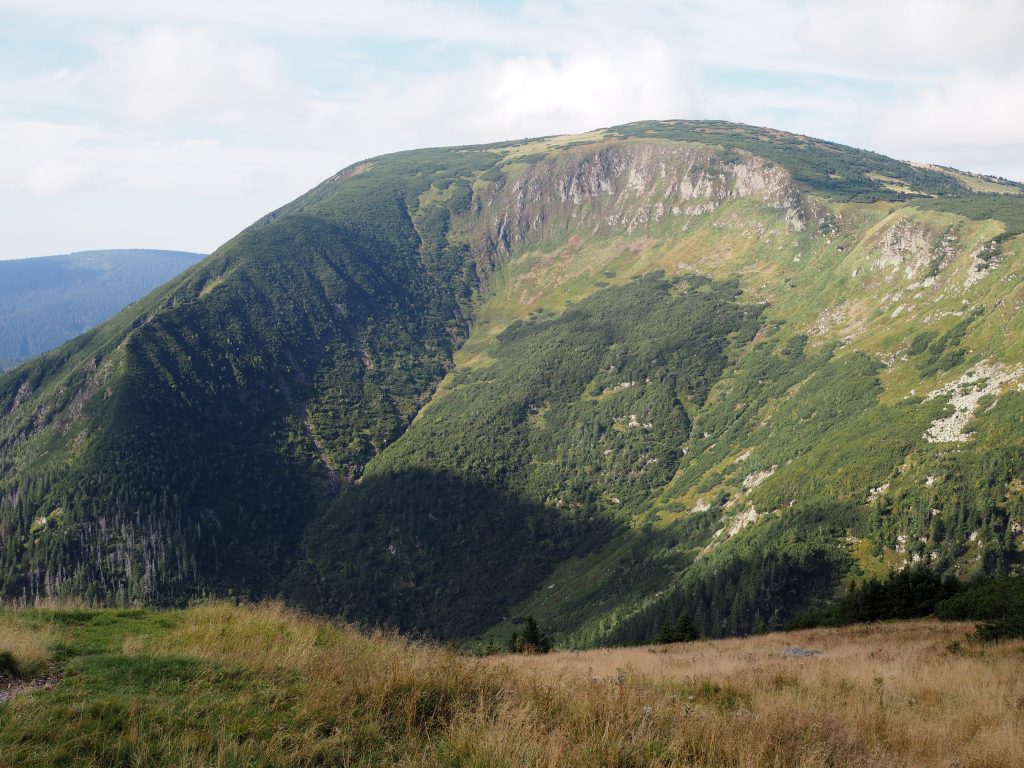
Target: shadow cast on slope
{"points": [[434, 552]]}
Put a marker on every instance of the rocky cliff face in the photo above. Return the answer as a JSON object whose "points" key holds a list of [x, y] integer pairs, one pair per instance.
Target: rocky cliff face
{"points": [[625, 187]]}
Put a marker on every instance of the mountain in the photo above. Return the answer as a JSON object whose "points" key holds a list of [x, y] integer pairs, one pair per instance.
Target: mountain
{"points": [[598, 379], [46, 301]]}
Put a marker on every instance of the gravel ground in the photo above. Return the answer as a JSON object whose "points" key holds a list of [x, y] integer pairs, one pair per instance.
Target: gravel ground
{"points": [[10, 689]]}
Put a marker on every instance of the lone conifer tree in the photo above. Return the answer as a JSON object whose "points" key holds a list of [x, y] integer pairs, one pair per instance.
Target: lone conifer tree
{"points": [[682, 630], [534, 640]]}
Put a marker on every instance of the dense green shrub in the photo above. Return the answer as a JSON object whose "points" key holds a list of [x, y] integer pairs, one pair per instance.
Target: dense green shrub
{"points": [[682, 630], [997, 604], [906, 594], [533, 639], [1006, 208]]}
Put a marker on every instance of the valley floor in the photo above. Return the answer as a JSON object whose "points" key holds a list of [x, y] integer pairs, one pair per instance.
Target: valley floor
{"points": [[220, 685]]}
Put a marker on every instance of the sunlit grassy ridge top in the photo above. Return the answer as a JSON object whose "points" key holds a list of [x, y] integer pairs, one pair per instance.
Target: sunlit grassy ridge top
{"points": [[264, 686], [840, 171]]}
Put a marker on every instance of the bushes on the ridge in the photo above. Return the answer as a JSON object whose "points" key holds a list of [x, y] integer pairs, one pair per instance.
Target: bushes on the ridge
{"points": [[841, 172], [1006, 208]]}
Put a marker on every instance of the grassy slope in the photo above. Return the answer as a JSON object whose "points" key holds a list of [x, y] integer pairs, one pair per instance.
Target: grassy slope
{"points": [[216, 685]]}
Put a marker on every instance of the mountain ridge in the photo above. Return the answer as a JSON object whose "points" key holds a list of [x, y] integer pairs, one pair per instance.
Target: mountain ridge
{"points": [[47, 300], [419, 319]]}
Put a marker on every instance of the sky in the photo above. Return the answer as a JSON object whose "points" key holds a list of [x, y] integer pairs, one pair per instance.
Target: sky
{"points": [[176, 123]]}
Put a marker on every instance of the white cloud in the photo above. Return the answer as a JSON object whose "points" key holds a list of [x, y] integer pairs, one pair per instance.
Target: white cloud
{"points": [[514, 97], [57, 175], [41, 159], [168, 73], [443, 20], [956, 69], [910, 34], [974, 121], [108, 189], [585, 90]]}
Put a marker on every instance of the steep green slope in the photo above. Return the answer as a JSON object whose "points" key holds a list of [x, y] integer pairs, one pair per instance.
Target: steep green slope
{"points": [[46, 301], [177, 448], [600, 379]]}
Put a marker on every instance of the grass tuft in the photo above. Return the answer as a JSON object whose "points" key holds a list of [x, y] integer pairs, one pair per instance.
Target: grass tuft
{"points": [[24, 651]]}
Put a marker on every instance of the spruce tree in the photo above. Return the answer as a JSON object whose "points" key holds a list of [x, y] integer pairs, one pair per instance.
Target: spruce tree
{"points": [[682, 630], [666, 633], [534, 640], [686, 631]]}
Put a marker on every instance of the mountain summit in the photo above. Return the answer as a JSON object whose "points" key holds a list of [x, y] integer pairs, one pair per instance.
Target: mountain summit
{"points": [[600, 380]]}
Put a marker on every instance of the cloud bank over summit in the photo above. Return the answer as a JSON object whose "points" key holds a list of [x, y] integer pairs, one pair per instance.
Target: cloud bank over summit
{"points": [[175, 124]]}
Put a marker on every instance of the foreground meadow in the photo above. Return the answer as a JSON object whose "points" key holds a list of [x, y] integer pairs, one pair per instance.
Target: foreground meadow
{"points": [[218, 685]]}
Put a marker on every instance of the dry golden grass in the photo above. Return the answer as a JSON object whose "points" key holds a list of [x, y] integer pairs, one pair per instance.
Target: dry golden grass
{"points": [[892, 694], [263, 685], [30, 648], [888, 694]]}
